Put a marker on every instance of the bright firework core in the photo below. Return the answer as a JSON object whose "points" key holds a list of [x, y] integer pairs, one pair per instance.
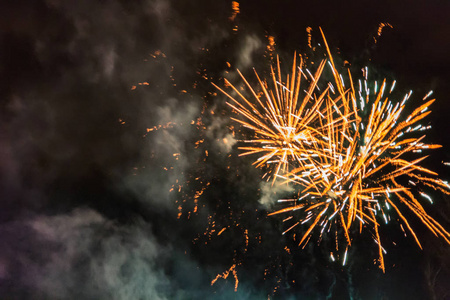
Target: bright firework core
{"points": [[343, 148]]}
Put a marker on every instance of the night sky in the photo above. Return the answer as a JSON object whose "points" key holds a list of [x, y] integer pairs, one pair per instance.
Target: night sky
{"points": [[119, 174]]}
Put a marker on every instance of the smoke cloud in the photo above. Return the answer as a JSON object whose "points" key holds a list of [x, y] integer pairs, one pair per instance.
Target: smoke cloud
{"points": [[270, 193], [119, 169]]}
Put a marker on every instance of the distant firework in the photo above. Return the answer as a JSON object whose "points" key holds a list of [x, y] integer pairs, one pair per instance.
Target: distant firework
{"points": [[346, 148]]}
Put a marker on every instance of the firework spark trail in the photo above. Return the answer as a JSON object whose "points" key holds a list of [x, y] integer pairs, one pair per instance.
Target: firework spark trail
{"points": [[345, 147], [225, 275]]}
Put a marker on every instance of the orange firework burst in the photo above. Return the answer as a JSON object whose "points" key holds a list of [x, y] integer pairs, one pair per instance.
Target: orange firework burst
{"points": [[287, 129], [347, 148]]}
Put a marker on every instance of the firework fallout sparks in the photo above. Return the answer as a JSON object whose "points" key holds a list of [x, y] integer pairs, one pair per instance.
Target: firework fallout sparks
{"points": [[345, 148]]}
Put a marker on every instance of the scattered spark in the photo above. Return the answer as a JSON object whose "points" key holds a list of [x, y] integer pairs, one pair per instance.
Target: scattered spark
{"points": [[235, 8], [220, 232], [308, 30], [427, 95], [345, 257], [271, 45], [225, 275], [380, 30]]}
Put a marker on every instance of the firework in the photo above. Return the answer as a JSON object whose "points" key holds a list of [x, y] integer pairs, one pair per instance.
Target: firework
{"points": [[348, 150], [287, 128]]}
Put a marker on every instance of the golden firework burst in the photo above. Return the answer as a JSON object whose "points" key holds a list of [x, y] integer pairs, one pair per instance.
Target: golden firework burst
{"points": [[347, 149]]}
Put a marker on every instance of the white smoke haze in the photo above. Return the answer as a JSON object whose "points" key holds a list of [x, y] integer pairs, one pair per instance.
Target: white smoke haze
{"points": [[90, 251], [83, 255], [248, 50], [272, 192], [68, 127], [153, 185], [249, 46], [228, 141], [219, 132]]}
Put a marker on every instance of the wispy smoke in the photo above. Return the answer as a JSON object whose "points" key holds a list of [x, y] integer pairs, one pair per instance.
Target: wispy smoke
{"points": [[166, 157], [84, 255], [76, 136], [218, 131], [91, 252], [249, 46], [270, 193]]}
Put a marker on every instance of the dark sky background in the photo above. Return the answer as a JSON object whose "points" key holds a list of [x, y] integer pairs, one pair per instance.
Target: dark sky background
{"points": [[87, 210]]}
